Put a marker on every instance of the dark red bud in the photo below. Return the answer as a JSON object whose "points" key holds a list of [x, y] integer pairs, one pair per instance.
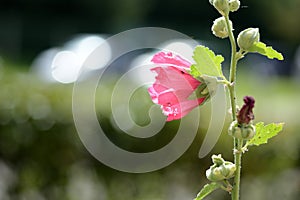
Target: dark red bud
{"points": [[245, 115]]}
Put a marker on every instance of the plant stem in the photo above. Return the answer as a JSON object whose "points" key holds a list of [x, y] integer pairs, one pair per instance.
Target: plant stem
{"points": [[233, 63], [237, 178], [237, 143]]}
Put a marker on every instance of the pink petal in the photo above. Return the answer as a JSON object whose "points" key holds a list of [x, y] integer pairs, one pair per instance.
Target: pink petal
{"points": [[168, 99], [153, 94], [159, 88], [171, 96], [170, 58], [177, 111], [172, 77]]}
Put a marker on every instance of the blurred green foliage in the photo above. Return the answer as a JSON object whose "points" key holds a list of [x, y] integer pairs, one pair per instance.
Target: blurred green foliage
{"points": [[41, 156], [28, 27]]}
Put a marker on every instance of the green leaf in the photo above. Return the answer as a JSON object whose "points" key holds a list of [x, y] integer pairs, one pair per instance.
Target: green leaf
{"points": [[207, 189], [265, 132], [207, 63], [194, 71], [262, 49]]}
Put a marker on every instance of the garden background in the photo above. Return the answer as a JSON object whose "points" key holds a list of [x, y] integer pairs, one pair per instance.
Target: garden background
{"points": [[41, 155]]}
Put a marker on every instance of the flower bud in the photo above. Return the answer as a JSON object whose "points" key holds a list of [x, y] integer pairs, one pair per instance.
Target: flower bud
{"points": [[221, 5], [248, 132], [245, 115], [219, 28], [214, 174], [241, 131], [235, 130], [234, 5], [247, 38], [207, 88], [228, 169], [220, 170]]}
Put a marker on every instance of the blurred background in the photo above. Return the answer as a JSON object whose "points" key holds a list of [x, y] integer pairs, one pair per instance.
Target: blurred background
{"points": [[41, 155]]}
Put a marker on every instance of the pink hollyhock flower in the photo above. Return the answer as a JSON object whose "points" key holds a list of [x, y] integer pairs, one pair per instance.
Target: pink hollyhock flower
{"points": [[173, 86]]}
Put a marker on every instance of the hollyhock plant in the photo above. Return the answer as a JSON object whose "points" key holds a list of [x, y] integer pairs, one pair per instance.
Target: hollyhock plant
{"points": [[174, 85], [177, 79]]}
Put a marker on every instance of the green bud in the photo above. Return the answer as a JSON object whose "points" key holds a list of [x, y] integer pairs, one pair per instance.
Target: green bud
{"points": [[248, 132], [218, 160], [228, 169], [247, 38], [205, 91], [220, 170], [208, 87], [234, 5], [221, 5], [214, 174], [241, 131], [219, 28]]}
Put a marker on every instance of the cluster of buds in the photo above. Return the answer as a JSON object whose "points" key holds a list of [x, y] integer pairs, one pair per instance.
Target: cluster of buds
{"points": [[225, 6], [247, 38], [219, 27], [221, 169], [243, 128], [241, 131]]}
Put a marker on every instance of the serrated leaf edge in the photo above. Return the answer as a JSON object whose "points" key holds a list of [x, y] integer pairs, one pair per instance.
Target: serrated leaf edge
{"points": [[265, 51], [203, 193], [215, 59], [264, 126]]}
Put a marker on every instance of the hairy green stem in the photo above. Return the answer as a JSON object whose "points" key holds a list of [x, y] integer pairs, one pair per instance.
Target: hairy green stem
{"points": [[237, 178], [237, 143], [233, 63]]}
